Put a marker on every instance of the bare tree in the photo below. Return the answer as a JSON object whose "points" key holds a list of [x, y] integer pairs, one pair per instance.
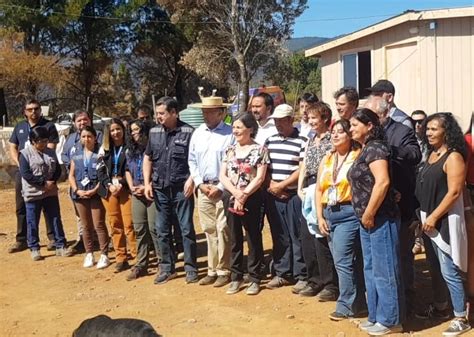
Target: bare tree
{"points": [[239, 37]]}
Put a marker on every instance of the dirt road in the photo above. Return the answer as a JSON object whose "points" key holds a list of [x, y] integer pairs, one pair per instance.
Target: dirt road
{"points": [[52, 297]]}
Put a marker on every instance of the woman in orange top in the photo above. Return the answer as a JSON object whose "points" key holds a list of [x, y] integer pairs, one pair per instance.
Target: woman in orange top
{"points": [[337, 219]]}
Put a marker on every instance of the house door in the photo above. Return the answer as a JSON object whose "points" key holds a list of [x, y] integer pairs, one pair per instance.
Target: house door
{"points": [[403, 70]]}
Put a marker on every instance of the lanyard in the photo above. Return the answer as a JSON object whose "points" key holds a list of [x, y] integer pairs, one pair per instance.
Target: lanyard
{"points": [[336, 168], [87, 162], [116, 160]]}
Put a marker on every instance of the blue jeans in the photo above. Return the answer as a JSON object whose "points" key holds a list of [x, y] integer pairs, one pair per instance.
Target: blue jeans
{"points": [[52, 213], [383, 281], [442, 264], [169, 200], [284, 218], [344, 240]]}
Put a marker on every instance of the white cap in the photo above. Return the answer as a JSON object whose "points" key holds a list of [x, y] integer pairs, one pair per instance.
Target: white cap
{"points": [[282, 111]]}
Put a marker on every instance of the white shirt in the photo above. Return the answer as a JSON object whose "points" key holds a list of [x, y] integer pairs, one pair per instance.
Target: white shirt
{"points": [[206, 152], [266, 131]]}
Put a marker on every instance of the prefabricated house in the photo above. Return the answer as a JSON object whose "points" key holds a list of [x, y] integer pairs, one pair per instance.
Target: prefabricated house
{"points": [[428, 55]]}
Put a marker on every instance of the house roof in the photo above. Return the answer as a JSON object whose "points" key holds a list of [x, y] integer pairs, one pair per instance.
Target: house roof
{"points": [[407, 16]]}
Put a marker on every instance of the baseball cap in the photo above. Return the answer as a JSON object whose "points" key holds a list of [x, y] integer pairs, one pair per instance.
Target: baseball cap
{"points": [[382, 86], [282, 111]]}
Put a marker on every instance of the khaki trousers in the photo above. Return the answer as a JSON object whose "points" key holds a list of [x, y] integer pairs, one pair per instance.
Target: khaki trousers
{"points": [[119, 215], [214, 224]]}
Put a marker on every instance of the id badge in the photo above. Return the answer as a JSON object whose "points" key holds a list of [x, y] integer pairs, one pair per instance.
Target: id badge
{"points": [[85, 181], [115, 181], [332, 196]]}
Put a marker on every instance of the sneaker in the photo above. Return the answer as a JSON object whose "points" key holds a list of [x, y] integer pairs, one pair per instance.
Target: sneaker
{"points": [[309, 291], [337, 316], [51, 246], [207, 280], [17, 247], [277, 282], [88, 260], [253, 289], [60, 251], [164, 277], [221, 281], [366, 325], [327, 296], [104, 262], [380, 330], [192, 277], [457, 327], [121, 266], [300, 285], [36, 255], [234, 287], [431, 312]]}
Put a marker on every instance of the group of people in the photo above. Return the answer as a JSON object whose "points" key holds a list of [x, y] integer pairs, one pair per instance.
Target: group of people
{"points": [[343, 199]]}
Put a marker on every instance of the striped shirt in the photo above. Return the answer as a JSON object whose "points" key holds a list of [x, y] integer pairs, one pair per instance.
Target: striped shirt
{"points": [[285, 155]]}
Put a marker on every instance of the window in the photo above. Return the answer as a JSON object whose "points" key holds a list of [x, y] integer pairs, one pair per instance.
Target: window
{"points": [[356, 70]]}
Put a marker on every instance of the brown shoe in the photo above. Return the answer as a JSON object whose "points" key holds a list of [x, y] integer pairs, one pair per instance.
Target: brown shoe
{"points": [[221, 281], [17, 247], [207, 280], [135, 273]]}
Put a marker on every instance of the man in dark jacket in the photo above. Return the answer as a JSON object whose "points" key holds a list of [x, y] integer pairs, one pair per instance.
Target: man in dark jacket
{"points": [[168, 182], [405, 156]]}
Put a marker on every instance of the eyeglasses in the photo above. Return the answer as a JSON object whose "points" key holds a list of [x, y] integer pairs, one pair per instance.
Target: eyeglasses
{"points": [[33, 109]]}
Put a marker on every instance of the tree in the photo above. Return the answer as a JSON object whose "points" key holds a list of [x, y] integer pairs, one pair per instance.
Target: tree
{"points": [[238, 37]]}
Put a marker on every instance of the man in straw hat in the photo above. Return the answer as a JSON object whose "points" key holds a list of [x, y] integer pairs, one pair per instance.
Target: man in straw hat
{"points": [[206, 151]]}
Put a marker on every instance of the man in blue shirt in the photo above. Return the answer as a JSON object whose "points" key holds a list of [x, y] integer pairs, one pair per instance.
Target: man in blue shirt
{"points": [[168, 182], [18, 141], [206, 152]]}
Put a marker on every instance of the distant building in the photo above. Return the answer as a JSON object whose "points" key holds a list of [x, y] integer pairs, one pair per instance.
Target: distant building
{"points": [[428, 55]]}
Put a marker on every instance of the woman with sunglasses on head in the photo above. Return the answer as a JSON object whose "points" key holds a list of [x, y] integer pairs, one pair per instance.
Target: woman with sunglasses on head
{"points": [[117, 202], [143, 210], [86, 193], [439, 189], [242, 173], [40, 170], [374, 203]]}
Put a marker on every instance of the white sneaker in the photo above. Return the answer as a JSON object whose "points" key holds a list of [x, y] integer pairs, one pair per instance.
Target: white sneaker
{"points": [[103, 262], [89, 260]]}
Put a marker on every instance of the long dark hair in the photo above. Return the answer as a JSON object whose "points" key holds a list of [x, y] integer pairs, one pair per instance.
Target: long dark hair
{"points": [[137, 148], [346, 126], [366, 116], [453, 136]]}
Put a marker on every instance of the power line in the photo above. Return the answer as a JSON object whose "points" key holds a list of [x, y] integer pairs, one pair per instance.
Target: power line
{"points": [[110, 18]]}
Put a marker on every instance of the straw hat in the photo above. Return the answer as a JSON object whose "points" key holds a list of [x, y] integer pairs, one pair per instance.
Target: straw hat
{"points": [[211, 102]]}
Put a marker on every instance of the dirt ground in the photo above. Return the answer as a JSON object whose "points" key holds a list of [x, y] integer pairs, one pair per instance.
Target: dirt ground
{"points": [[52, 297]]}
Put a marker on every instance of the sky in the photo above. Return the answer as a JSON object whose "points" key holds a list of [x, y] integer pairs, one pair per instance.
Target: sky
{"points": [[330, 18]]}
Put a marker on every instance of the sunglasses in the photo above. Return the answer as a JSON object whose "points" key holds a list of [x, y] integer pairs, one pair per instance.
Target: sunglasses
{"points": [[33, 109], [420, 121]]}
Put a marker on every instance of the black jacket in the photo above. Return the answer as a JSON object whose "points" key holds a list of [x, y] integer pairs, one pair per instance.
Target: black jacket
{"points": [[105, 170], [405, 156]]}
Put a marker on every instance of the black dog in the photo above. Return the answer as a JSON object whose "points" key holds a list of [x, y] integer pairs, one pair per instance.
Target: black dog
{"points": [[104, 326]]}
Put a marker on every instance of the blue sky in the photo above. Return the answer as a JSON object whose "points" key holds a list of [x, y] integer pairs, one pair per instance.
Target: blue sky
{"points": [[326, 18]]}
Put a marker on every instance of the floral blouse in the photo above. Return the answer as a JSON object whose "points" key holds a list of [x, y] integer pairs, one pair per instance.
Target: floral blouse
{"points": [[314, 154], [242, 171]]}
